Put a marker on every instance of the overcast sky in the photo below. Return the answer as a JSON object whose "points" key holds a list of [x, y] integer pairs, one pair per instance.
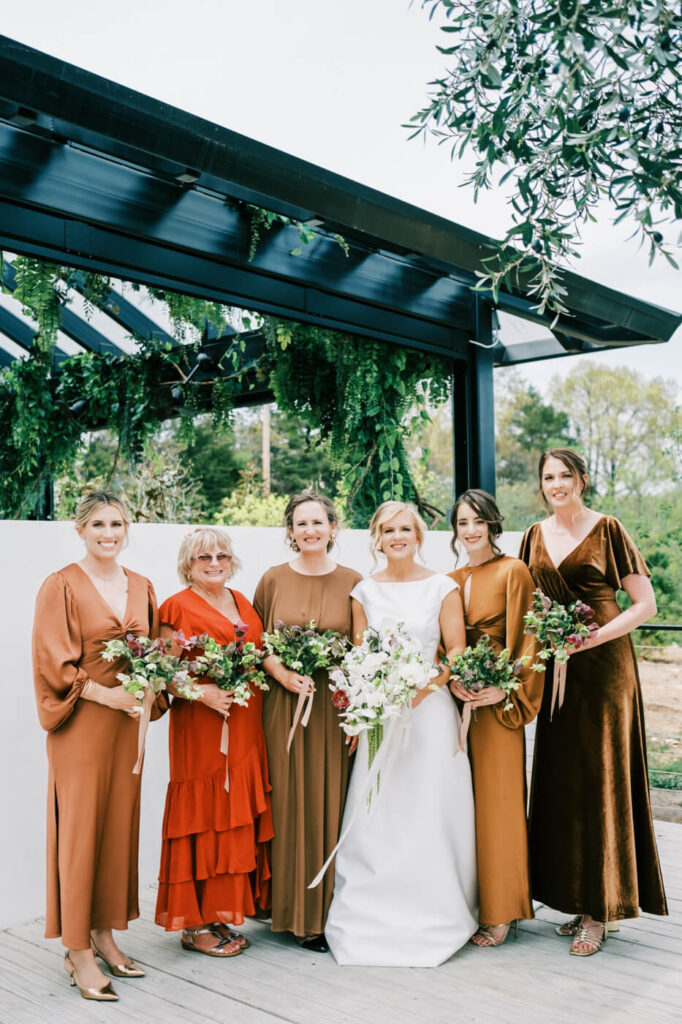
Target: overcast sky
{"points": [[332, 82]]}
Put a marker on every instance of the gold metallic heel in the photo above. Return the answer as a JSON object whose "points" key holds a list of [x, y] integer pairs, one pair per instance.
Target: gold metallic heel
{"points": [[130, 970], [105, 994]]}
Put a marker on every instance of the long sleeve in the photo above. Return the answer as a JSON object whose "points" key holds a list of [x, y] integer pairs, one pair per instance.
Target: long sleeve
{"points": [[57, 650], [527, 699]]}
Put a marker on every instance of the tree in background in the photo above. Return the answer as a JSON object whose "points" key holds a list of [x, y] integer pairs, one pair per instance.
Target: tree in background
{"points": [[572, 102]]}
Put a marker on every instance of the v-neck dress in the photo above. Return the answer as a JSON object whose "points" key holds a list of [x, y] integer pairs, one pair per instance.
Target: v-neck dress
{"points": [[214, 855], [93, 807], [497, 597], [592, 844]]}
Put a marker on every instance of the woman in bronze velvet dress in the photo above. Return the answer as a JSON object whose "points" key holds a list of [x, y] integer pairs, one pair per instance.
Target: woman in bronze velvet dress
{"points": [[497, 593], [92, 726], [308, 782], [592, 846]]}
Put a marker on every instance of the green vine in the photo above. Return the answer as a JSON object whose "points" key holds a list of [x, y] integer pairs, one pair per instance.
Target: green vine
{"points": [[263, 220], [366, 397]]}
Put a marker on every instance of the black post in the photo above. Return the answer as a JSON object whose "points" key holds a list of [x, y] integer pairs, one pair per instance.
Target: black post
{"points": [[473, 414]]}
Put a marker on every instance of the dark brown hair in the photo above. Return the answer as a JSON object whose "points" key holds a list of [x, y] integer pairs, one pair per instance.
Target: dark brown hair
{"points": [[485, 506], [573, 461], [299, 499]]}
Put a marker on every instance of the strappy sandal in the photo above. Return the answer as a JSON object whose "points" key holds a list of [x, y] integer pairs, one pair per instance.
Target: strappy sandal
{"points": [[226, 933], [491, 941], [220, 949], [592, 936], [570, 928]]}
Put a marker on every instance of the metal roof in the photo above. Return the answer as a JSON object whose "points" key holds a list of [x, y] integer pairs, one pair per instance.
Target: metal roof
{"points": [[100, 177]]}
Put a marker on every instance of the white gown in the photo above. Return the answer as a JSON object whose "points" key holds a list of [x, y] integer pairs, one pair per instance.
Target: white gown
{"points": [[406, 888]]}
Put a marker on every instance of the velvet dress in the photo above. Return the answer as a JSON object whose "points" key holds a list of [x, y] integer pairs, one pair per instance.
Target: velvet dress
{"points": [[592, 844], [93, 798], [496, 596], [309, 782], [214, 854]]}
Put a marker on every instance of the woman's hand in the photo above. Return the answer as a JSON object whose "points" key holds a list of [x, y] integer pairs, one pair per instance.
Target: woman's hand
{"points": [[488, 695], [215, 698], [460, 692], [294, 682], [352, 743], [118, 698]]}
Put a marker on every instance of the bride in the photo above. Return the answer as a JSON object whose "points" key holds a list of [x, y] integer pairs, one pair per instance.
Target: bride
{"points": [[405, 892]]}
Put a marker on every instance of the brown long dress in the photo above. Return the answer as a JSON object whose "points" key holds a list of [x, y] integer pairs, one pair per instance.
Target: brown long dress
{"points": [[309, 783], [93, 805], [214, 863], [496, 599], [592, 844]]}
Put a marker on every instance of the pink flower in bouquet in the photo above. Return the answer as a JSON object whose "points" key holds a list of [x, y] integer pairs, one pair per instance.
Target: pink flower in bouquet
{"points": [[340, 699]]}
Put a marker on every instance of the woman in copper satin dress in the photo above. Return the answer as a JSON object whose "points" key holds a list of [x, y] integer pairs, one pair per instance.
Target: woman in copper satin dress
{"points": [[93, 808], [309, 782], [592, 845], [214, 859], [497, 592]]}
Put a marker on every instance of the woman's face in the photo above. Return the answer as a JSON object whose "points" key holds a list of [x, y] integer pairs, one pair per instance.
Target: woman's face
{"points": [[104, 533], [311, 531], [211, 568], [559, 486], [472, 530], [399, 540]]}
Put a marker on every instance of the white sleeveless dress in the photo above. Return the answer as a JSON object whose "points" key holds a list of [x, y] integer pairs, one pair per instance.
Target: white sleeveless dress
{"points": [[406, 889]]}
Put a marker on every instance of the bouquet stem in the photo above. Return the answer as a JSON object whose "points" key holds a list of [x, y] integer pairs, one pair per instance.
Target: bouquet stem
{"points": [[143, 725], [374, 739]]}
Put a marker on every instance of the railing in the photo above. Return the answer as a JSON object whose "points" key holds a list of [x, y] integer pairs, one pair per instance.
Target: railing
{"points": [[660, 777]]}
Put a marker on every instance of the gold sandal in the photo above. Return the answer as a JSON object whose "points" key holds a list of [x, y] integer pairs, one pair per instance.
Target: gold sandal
{"points": [[220, 949], [105, 994], [226, 932], [123, 970], [485, 931], [592, 935], [572, 927]]}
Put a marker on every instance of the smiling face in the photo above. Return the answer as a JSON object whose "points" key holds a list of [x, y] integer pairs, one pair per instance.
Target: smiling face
{"points": [[473, 531], [399, 539], [104, 533], [211, 568], [561, 488], [310, 531]]}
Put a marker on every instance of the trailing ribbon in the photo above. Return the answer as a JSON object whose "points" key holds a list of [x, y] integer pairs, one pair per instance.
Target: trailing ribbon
{"points": [[558, 686], [145, 715], [307, 690], [382, 760], [464, 728], [224, 744]]}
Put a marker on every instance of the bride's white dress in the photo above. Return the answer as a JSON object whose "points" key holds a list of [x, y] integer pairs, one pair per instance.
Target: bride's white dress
{"points": [[406, 889]]}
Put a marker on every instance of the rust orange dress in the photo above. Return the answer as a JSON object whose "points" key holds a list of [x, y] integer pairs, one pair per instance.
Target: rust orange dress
{"points": [[214, 857], [497, 595], [592, 844], [93, 805]]}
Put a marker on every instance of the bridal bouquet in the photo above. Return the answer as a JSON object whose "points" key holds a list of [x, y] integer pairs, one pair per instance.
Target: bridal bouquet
{"points": [[151, 668], [481, 666], [302, 649], [234, 667], [559, 630], [376, 680]]}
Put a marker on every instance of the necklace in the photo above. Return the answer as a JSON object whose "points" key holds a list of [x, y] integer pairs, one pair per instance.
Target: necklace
{"points": [[104, 579]]}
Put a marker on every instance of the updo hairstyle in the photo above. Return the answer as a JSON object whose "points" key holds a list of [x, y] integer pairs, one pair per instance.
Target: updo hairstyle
{"points": [[387, 511], [300, 499], [573, 461], [485, 506], [91, 503]]}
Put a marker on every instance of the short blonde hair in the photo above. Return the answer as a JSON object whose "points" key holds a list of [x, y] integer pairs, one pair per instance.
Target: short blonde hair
{"points": [[199, 541], [91, 503], [387, 511]]}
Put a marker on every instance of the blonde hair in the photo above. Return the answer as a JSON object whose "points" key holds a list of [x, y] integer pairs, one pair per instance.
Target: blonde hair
{"points": [[199, 541], [100, 499], [387, 511]]}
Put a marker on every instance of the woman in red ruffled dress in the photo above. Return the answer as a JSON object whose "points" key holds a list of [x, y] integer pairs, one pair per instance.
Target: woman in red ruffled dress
{"points": [[214, 859]]}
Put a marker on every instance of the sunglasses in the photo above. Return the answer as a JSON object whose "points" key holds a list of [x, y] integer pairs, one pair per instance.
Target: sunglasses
{"points": [[207, 559]]}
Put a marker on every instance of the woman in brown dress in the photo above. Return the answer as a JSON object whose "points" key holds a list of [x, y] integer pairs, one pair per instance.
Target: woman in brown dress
{"points": [[93, 805], [214, 864], [309, 782], [497, 592], [592, 846]]}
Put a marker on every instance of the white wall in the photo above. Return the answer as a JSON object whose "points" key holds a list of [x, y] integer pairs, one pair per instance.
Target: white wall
{"points": [[29, 551]]}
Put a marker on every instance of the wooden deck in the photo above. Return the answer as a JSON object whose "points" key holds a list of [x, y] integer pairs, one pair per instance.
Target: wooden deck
{"points": [[637, 977]]}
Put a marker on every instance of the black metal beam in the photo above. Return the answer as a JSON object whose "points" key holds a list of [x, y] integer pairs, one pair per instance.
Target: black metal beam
{"points": [[14, 328], [474, 410]]}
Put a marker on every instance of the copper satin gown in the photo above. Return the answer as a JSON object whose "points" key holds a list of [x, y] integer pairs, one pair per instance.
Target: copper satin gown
{"points": [[592, 844], [496, 599]]}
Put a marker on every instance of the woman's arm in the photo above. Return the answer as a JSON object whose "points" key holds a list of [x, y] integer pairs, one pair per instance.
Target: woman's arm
{"points": [[453, 631], [359, 621], [643, 607]]}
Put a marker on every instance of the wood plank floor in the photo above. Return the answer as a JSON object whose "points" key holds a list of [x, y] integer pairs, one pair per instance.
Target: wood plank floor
{"points": [[531, 980]]}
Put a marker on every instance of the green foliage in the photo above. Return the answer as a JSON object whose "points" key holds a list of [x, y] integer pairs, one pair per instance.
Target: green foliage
{"points": [[526, 426], [248, 506], [571, 102], [261, 220], [359, 394]]}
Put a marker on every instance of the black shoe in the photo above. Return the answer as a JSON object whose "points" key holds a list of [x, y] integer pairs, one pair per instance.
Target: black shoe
{"points": [[316, 943]]}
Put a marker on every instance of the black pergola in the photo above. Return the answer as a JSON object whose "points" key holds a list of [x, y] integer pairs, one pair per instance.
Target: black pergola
{"points": [[99, 177]]}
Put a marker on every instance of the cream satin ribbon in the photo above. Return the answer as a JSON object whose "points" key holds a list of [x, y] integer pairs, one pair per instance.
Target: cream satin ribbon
{"points": [[306, 691], [224, 745], [464, 728], [558, 686], [143, 725]]}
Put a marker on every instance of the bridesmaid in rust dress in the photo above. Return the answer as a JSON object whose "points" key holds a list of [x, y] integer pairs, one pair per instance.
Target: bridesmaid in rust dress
{"points": [[309, 782], [497, 593], [214, 858], [93, 808], [592, 846]]}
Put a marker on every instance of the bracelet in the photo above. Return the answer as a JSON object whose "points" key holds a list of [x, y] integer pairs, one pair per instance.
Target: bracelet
{"points": [[90, 691]]}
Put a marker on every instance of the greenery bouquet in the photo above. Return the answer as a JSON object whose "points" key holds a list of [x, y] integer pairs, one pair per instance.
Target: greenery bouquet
{"points": [[481, 666], [560, 630]]}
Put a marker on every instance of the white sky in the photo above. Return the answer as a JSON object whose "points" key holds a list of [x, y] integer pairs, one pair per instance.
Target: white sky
{"points": [[331, 82]]}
